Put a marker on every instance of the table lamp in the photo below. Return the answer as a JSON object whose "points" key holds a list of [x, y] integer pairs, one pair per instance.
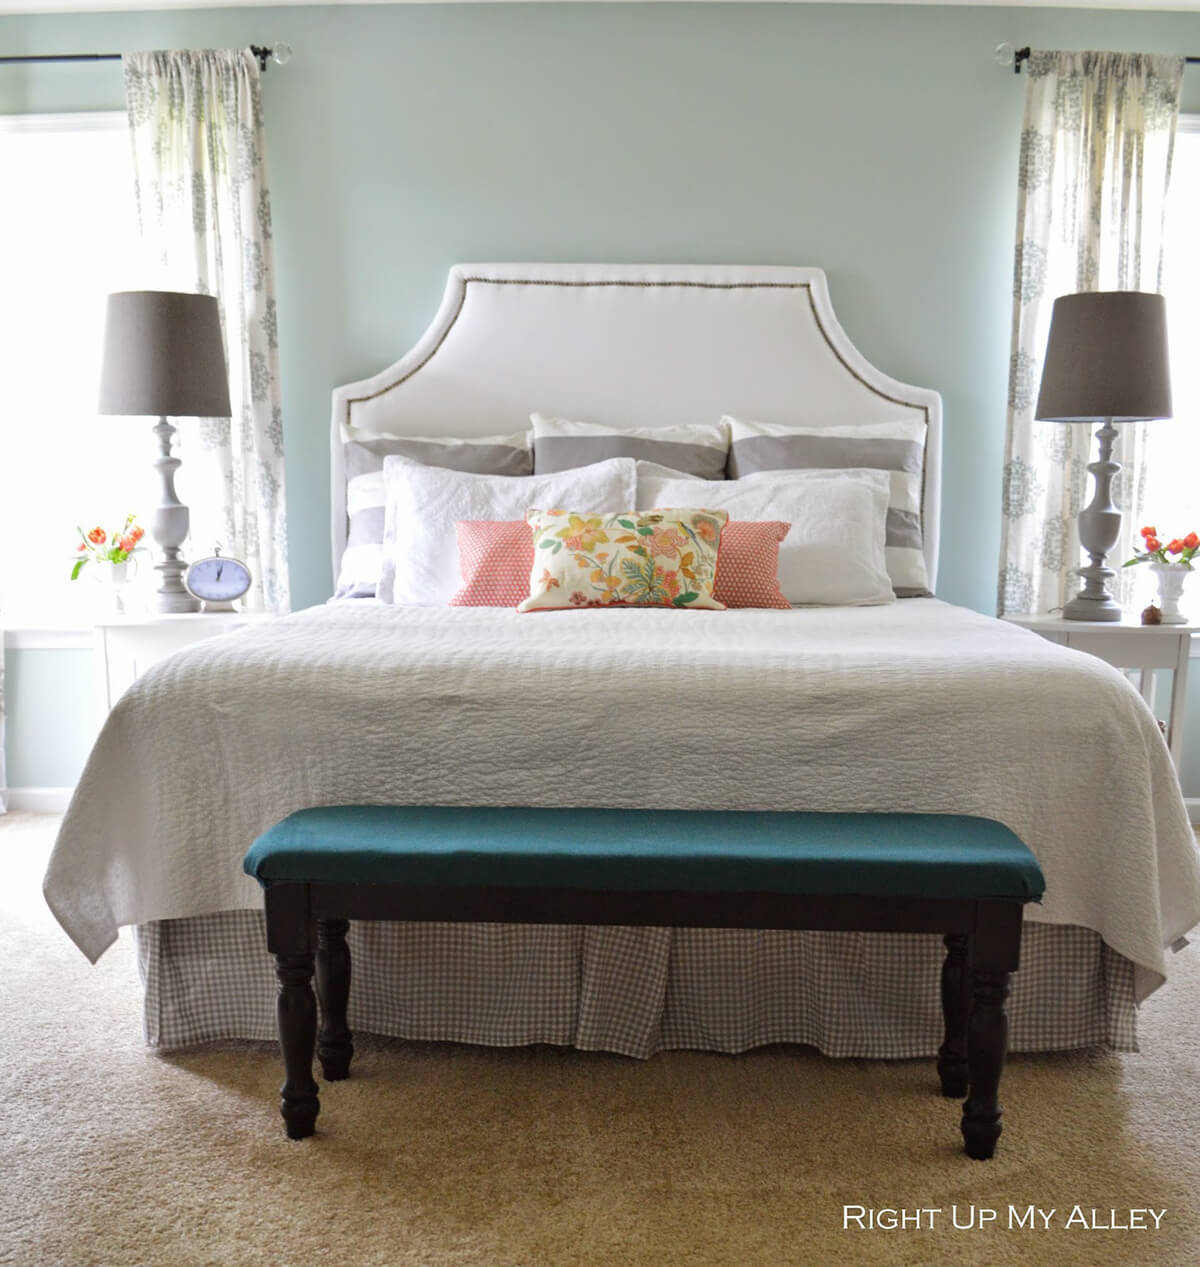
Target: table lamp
{"points": [[164, 356], [1107, 362]]}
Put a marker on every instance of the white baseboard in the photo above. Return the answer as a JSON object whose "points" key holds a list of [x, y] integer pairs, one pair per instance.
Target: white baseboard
{"points": [[1193, 809], [46, 800]]}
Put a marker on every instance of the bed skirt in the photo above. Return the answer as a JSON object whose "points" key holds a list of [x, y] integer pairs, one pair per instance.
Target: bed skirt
{"points": [[634, 991]]}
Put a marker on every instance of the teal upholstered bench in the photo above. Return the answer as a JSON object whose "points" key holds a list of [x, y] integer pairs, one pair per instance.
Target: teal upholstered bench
{"points": [[966, 878]]}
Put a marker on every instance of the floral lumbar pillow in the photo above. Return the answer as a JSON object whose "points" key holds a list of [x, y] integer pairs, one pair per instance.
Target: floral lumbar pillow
{"points": [[660, 558]]}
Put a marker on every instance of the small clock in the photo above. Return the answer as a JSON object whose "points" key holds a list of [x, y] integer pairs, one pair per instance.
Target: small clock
{"points": [[217, 581]]}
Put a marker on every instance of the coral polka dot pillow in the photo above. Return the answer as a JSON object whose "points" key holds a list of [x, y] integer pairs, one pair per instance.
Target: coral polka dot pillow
{"points": [[630, 558], [748, 566], [496, 558]]}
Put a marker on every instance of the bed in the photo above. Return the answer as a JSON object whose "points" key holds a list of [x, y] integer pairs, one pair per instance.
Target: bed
{"points": [[913, 705]]}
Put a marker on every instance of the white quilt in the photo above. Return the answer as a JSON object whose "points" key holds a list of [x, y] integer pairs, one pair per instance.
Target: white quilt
{"points": [[917, 706]]}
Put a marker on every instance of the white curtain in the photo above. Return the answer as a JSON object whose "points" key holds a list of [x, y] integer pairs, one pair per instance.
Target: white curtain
{"points": [[205, 213], [1095, 163]]}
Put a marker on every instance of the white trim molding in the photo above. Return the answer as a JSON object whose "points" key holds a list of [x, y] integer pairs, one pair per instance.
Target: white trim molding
{"points": [[1193, 809], [41, 800], [75, 121], [49, 638]]}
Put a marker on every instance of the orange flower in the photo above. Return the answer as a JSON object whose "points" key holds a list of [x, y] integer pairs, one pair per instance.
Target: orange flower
{"points": [[126, 543], [137, 532], [1152, 544], [1175, 547], [1191, 541], [549, 582], [1149, 532], [97, 536]]}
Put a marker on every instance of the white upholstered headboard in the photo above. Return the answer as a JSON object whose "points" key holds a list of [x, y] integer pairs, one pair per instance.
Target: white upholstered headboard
{"points": [[630, 345]]}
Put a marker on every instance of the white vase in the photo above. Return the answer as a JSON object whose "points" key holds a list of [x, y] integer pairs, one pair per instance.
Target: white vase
{"points": [[1170, 578], [114, 577]]}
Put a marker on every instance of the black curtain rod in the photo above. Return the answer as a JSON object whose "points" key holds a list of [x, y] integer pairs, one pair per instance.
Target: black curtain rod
{"points": [[261, 51], [1021, 56]]}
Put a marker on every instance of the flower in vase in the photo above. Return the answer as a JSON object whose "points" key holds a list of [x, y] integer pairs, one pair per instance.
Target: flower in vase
{"points": [[99, 546], [1177, 551]]}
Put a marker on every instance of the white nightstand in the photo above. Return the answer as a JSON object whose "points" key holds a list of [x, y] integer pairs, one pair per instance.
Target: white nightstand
{"points": [[124, 647], [1128, 644]]}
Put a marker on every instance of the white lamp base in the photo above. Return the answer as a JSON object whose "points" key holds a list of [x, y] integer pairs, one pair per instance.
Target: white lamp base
{"points": [[169, 528]]}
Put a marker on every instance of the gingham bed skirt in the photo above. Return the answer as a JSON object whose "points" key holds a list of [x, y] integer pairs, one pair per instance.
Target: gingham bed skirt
{"points": [[634, 991]]}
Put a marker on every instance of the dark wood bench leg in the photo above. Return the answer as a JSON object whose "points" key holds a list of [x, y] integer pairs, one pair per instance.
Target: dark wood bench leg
{"points": [[996, 953], [296, 1012], [290, 940], [956, 1006], [334, 1046]]}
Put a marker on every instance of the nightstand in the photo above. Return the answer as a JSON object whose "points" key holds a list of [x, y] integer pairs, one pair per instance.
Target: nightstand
{"points": [[1128, 644], [124, 647]]}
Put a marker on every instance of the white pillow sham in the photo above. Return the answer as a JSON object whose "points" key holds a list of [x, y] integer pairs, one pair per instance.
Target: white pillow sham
{"points": [[833, 554], [420, 545]]}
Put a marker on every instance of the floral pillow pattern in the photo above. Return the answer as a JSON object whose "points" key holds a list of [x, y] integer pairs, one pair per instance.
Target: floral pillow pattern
{"points": [[660, 558]]}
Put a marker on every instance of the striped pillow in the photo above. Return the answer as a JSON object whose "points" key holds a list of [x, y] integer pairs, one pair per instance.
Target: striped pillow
{"points": [[362, 560], [896, 447], [698, 449]]}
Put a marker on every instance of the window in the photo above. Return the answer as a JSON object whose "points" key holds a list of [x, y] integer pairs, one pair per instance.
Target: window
{"points": [[67, 235], [1173, 466]]}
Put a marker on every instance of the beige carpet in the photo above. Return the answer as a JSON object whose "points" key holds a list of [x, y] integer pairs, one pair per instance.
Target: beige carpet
{"points": [[439, 1155]]}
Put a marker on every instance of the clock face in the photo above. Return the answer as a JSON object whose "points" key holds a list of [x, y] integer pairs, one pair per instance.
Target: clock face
{"points": [[218, 579]]}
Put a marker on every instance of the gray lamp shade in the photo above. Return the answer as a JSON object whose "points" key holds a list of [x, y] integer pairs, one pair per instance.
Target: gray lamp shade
{"points": [[164, 356], [1106, 358]]}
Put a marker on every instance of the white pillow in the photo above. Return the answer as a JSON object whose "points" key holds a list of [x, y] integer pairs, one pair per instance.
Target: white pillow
{"points": [[833, 553], [420, 545]]}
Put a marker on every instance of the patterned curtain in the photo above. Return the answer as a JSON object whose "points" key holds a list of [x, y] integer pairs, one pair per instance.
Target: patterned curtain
{"points": [[205, 212], [1095, 162]]}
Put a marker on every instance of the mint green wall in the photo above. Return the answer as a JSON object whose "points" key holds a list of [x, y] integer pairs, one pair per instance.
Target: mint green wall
{"points": [[878, 142], [49, 710]]}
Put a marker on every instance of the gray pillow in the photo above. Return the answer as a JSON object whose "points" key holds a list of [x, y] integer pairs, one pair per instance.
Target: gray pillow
{"points": [[698, 449], [895, 447]]}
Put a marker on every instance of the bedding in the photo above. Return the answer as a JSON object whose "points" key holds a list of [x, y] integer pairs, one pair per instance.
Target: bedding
{"points": [[896, 447], [698, 449], [918, 707], [834, 549], [363, 454], [420, 547]]}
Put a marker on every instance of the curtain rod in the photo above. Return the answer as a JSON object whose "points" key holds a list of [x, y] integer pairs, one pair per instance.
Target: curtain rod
{"points": [[1021, 56], [279, 54]]}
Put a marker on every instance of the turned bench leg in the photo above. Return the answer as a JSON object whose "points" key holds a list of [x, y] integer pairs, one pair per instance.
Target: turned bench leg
{"points": [[334, 1045], [995, 954], [296, 1013], [956, 1006]]}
